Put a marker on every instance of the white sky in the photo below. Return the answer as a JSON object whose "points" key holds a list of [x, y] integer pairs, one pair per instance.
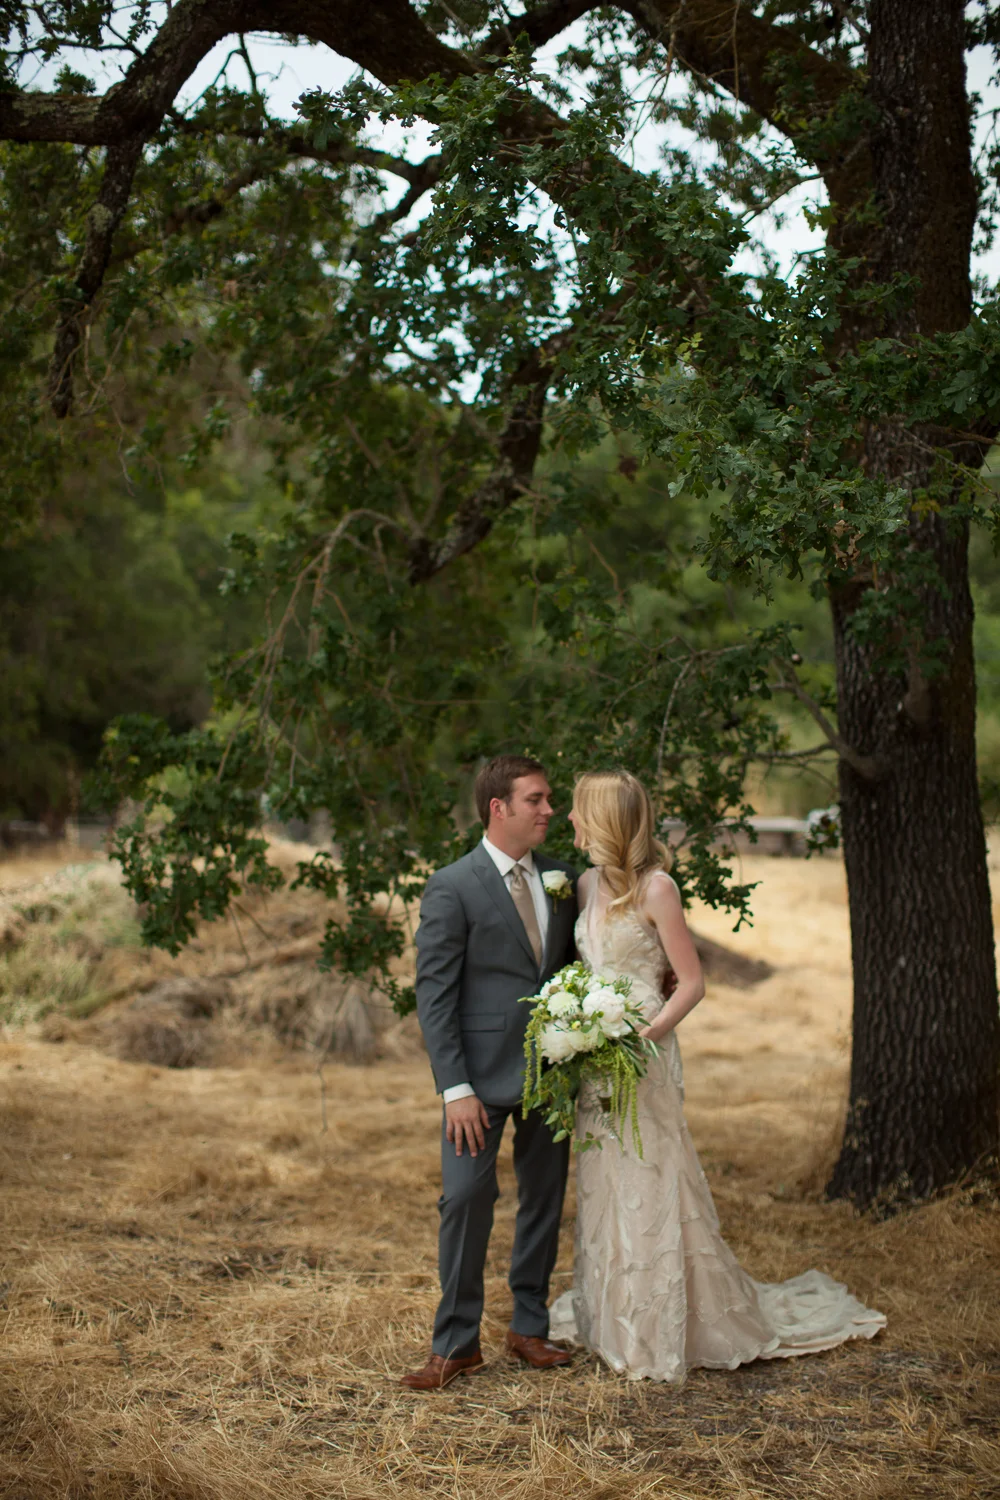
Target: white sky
{"points": [[286, 71]]}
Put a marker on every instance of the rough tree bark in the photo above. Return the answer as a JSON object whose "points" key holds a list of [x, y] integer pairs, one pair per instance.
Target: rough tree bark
{"points": [[103, 221], [923, 1094]]}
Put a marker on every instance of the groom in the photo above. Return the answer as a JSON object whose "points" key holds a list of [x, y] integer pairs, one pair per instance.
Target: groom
{"points": [[494, 927]]}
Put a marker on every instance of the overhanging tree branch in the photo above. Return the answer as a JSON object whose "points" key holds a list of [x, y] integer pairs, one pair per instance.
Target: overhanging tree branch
{"points": [[201, 211], [540, 25], [391, 41], [102, 224], [195, 214], [865, 765], [420, 174], [137, 104], [511, 475], [723, 42], [388, 37]]}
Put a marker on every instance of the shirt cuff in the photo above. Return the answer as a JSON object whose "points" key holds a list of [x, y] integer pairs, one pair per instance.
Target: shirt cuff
{"points": [[457, 1091]]}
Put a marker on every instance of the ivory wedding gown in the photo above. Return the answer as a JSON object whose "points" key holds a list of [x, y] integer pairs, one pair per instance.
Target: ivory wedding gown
{"points": [[656, 1289]]}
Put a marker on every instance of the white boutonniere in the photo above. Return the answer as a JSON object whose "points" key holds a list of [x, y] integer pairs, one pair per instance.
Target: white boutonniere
{"points": [[557, 884]]}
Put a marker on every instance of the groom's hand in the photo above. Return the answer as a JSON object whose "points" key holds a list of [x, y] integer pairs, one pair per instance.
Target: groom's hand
{"points": [[466, 1123]]}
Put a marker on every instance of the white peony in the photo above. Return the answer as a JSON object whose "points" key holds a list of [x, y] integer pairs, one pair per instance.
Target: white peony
{"points": [[614, 1028], [556, 1043], [594, 982], [562, 1003], [603, 1000], [613, 1009], [585, 1039]]}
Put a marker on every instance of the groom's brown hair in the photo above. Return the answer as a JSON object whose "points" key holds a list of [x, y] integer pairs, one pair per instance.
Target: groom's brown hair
{"points": [[497, 777]]}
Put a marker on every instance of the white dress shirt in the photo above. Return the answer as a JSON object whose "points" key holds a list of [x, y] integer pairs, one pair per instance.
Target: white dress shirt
{"points": [[505, 864]]}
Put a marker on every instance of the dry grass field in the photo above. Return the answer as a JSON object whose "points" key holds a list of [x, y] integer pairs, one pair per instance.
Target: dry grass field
{"points": [[206, 1296]]}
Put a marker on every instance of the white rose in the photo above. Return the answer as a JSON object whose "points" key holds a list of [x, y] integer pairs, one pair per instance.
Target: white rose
{"points": [[562, 1003], [556, 1043], [556, 883]]}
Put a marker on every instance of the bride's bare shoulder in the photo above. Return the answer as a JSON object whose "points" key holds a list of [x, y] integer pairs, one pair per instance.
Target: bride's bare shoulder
{"points": [[585, 885], [661, 892]]}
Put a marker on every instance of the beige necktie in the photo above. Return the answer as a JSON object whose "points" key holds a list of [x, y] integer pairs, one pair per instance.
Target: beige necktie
{"points": [[521, 894]]}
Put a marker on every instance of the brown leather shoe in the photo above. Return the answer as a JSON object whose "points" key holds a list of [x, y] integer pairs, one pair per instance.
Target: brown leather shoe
{"points": [[538, 1353], [438, 1372]]}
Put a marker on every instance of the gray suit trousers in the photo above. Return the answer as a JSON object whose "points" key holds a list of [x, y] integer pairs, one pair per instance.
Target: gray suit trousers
{"points": [[466, 1208]]}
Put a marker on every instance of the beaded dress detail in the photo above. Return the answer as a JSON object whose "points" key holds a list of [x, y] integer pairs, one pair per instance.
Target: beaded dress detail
{"points": [[656, 1289]]}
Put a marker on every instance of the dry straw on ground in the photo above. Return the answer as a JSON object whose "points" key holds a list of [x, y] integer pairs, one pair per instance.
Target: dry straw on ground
{"points": [[71, 956], [206, 1297]]}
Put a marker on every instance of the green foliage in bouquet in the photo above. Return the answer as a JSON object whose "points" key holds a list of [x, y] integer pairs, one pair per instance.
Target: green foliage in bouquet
{"points": [[587, 1030]]}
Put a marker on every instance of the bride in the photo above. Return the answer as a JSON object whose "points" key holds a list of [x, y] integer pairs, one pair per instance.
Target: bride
{"points": [[656, 1289]]}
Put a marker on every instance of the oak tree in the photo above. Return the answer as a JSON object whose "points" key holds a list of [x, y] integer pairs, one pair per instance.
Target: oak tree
{"points": [[442, 368]]}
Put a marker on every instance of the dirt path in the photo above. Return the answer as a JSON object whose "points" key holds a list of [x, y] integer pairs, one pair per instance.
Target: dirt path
{"points": [[208, 1298]]}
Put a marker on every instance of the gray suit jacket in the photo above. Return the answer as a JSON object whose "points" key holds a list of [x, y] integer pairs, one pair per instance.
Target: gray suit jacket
{"points": [[474, 963]]}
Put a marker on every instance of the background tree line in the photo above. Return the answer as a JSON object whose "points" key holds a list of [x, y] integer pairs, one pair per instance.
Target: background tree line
{"points": [[113, 603]]}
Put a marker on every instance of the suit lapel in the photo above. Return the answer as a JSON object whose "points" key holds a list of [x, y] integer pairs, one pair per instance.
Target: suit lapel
{"points": [[496, 887]]}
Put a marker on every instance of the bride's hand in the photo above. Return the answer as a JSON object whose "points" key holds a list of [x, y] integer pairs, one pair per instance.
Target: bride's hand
{"points": [[654, 1032]]}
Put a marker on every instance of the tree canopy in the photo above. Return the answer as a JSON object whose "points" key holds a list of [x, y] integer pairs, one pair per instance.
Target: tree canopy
{"points": [[434, 370]]}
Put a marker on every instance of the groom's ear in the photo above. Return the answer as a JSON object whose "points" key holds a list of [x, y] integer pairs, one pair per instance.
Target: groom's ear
{"points": [[498, 809]]}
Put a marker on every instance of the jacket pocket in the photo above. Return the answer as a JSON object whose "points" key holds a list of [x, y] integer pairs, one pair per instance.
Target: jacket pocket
{"points": [[483, 1021]]}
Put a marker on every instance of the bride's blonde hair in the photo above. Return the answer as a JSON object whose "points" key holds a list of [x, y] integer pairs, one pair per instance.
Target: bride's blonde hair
{"points": [[616, 823]]}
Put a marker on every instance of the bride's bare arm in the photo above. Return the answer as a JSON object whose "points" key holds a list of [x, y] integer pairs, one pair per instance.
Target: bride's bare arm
{"points": [[662, 907], [584, 887]]}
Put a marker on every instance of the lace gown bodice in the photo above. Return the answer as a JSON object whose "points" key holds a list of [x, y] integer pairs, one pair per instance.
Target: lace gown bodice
{"points": [[656, 1289], [621, 943]]}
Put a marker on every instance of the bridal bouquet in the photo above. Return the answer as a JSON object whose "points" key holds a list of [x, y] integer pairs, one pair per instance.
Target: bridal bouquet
{"points": [[586, 1029]]}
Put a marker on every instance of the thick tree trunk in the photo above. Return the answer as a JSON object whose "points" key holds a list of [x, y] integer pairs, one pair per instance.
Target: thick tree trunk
{"points": [[926, 1050], [923, 1102]]}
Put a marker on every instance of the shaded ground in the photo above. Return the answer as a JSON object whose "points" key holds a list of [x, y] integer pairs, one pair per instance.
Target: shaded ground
{"points": [[208, 1298]]}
